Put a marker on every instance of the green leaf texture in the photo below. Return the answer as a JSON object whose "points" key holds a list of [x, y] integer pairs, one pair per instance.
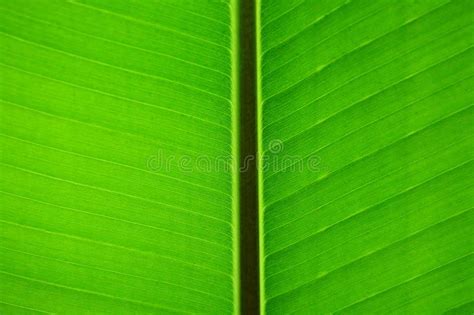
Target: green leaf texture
{"points": [[366, 126], [101, 102]]}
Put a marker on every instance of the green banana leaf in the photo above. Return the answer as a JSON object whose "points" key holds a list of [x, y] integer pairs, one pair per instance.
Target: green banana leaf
{"points": [[366, 180], [106, 106], [119, 179]]}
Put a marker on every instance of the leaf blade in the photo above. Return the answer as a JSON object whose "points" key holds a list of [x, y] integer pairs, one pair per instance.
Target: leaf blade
{"points": [[365, 133], [101, 103]]}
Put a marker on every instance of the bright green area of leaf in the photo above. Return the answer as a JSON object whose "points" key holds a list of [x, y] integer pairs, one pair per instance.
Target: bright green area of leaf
{"points": [[116, 117], [367, 196], [101, 102]]}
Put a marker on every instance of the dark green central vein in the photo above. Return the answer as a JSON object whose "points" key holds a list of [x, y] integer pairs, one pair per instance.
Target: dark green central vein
{"points": [[249, 253]]}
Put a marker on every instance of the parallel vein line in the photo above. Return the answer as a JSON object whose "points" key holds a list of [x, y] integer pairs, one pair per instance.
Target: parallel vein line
{"points": [[68, 262], [114, 95], [112, 192], [106, 244], [91, 292], [321, 41], [466, 280], [115, 163], [369, 71], [112, 218], [366, 43], [358, 212], [386, 247], [25, 307], [361, 101], [175, 7], [144, 22], [313, 23], [282, 14], [143, 74], [458, 305], [405, 282], [119, 131], [400, 109], [114, 41], [370, 96], [373, 153], [371, 13], [410, 163]]}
